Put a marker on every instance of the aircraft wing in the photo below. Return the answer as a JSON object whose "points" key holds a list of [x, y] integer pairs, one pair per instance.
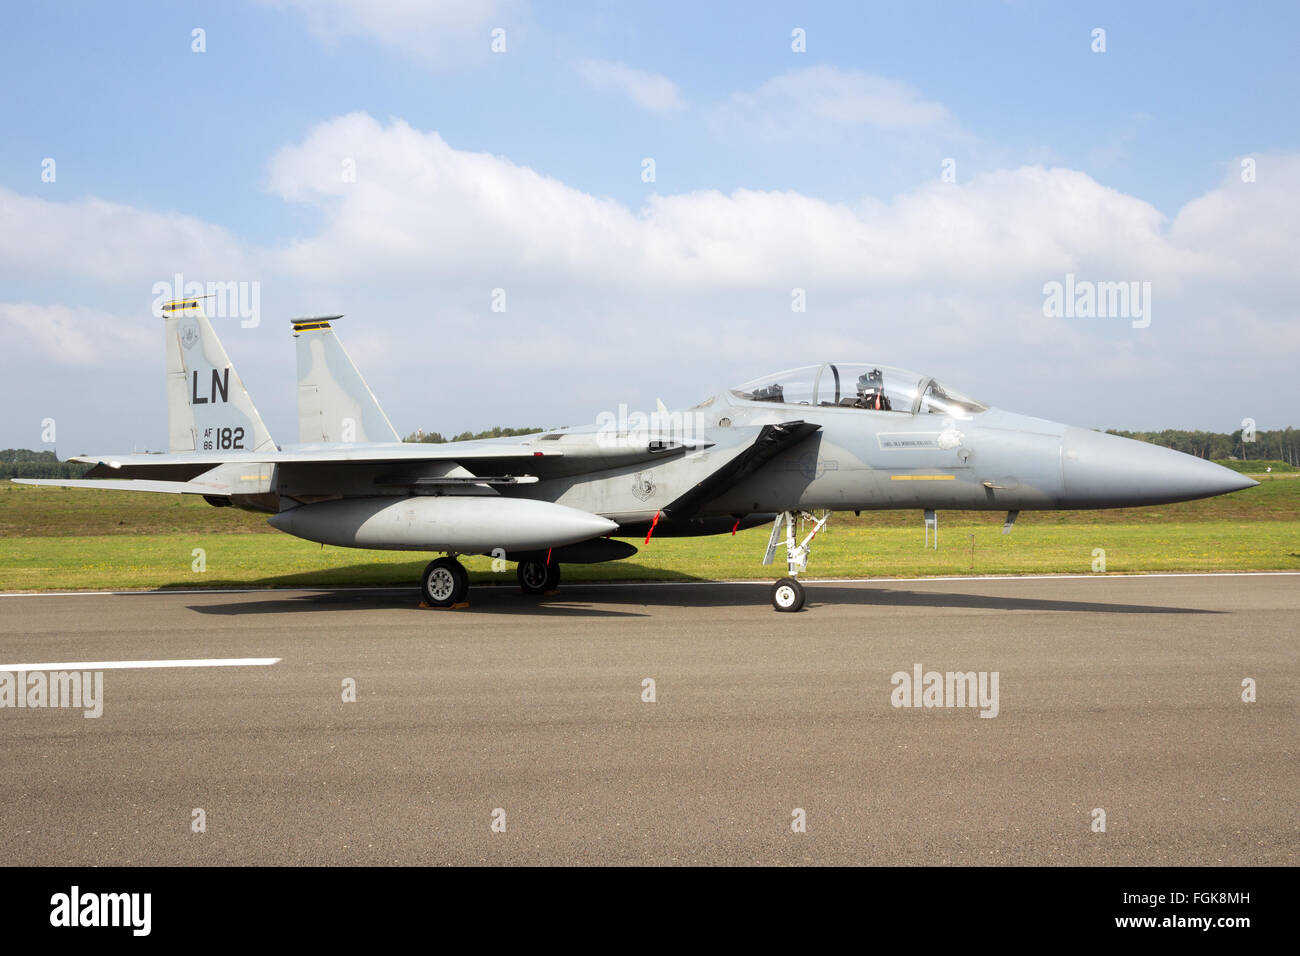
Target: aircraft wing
{"points": [[332, 454], [770, 442], [568, 453]]}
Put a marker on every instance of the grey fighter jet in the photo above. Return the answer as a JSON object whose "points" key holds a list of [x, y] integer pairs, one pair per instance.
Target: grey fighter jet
{"points": [[838, 436]]}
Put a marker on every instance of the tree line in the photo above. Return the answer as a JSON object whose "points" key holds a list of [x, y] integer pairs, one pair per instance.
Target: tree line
{"points": [[1282, 444], [496, 431], [25, 463]]}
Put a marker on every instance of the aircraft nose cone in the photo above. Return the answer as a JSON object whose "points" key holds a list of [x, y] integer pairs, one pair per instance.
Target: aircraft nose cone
{"points": [[1106, 471]]}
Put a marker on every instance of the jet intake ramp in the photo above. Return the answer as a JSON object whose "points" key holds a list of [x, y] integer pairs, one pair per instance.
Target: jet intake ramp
{"points": [[771, 441]]}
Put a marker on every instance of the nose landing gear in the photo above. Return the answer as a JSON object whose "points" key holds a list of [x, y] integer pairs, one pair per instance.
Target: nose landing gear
{"points": [[788, 594]]}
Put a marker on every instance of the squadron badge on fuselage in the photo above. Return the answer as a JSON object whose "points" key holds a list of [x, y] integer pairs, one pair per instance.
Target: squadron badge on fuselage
{"points": [[642, 486]]}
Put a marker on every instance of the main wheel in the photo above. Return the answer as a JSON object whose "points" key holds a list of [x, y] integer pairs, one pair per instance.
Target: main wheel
{"points": [[445, 582], [538, 577], [787, 595]]}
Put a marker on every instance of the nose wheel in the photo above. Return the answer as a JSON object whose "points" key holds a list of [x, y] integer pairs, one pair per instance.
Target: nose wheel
{"points": [[445, 583], [788, 594]]}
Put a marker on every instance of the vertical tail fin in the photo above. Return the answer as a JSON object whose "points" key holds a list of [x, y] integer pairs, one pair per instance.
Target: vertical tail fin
{"points": [[208, 408], [334, 402]]}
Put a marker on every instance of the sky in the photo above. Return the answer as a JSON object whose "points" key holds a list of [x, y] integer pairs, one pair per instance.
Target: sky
{"points": [[533, 214]]}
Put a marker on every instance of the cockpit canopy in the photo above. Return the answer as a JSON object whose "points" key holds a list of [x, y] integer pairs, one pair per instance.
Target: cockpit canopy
{"points": [[859, 385]]}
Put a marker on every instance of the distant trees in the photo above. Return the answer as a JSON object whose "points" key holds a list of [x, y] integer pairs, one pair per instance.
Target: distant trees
{"points": [[1282, 444], [25, 463], [496, 431]]}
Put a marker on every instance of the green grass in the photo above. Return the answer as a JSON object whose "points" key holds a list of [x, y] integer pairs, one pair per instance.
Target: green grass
{"points": [[43, 511], [65, 539], [1258, 466]]}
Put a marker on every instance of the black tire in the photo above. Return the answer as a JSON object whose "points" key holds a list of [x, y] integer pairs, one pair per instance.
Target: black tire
{"points": [[787, 595], [445, 582], [538, 577]]}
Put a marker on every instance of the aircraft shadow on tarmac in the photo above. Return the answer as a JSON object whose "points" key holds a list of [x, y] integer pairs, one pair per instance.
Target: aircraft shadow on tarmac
{"points": [[581, 600], [387, 575]]}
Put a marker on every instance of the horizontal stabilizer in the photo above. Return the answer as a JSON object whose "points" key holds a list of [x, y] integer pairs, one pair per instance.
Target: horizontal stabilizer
{"points": [[120, 484]]}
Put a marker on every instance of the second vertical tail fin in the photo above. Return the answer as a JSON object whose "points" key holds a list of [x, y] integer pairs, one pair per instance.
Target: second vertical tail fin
{"points": [[334, 402]]}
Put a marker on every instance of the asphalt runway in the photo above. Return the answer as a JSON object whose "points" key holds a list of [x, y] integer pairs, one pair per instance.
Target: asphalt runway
{"points": [[1118, 693]]}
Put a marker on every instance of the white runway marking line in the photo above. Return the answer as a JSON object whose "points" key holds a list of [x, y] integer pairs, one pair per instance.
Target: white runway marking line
{"points": [[133, 665]]}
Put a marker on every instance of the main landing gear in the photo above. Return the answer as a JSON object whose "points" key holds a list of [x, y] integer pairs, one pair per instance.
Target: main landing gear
{"points": [[445, 583], [788, 593], [539, 577]]}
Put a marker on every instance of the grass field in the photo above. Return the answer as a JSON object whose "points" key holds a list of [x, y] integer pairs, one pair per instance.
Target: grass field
{"points": [[1260, 465], [67, 539]]}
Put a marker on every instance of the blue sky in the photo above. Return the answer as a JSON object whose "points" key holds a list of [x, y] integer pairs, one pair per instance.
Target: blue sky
{"points": [[857, 126], [85, 82]]}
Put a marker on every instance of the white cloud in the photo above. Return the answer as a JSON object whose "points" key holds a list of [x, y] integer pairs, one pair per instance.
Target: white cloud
{"points": [[111, 243], [693, 290], [650, 91], [438, 33], [63, 335], [1247, 229], [819, 99], [945, 276], [421, 209]]}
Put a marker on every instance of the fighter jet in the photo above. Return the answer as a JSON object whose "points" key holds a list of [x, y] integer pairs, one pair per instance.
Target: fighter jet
{"points": [[786, 449]]}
